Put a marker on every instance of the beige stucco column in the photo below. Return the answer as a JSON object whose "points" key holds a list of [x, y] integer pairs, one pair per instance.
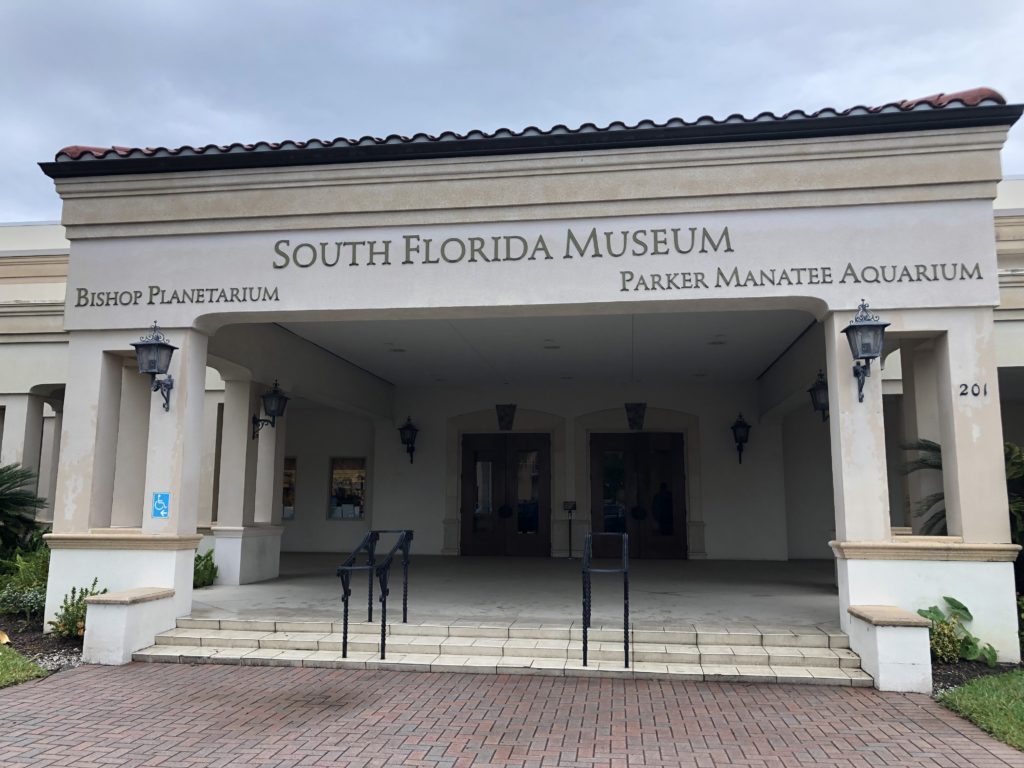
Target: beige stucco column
{"points": [[175, 441], [859, 479], [269, 467], [920, 419], [49, 460], [243, 551], [132, 440], [971, 430], [22, 432], [85, 478], [209, 471]]}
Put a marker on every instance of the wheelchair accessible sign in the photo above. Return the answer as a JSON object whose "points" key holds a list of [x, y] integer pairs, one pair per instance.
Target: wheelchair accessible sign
{"points": [[161, 506]]}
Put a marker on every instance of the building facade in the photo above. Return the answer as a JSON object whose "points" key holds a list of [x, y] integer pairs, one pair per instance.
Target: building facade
{"points": [[573, 320]]}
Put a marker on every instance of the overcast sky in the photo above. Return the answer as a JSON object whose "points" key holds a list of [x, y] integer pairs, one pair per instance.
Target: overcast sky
{"points": [[197, 72]]}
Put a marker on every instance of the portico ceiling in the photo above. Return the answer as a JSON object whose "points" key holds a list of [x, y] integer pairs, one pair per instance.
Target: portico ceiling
{"points": [[665, 348]]}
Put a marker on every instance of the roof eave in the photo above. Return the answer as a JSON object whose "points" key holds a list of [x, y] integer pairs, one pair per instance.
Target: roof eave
{"points": [[801, 128]]}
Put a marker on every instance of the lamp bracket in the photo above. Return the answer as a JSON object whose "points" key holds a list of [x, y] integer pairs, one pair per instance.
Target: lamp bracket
{"points": [[164, 387], [258, 424], [861, 371]]}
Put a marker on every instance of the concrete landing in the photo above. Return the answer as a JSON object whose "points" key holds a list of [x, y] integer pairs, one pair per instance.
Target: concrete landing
{"points": [[546, 590]]}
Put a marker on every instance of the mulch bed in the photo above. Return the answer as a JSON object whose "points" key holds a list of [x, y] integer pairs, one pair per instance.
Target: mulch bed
{"points": [[945, 676], [48, 651]]}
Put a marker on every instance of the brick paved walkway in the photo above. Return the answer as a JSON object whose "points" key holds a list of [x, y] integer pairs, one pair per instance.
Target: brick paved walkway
{"points": [[173, 716]]}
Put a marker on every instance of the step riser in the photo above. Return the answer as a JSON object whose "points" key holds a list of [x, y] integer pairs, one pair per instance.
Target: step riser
{"points": [[662, 637], [638, 653], [763, 674]]}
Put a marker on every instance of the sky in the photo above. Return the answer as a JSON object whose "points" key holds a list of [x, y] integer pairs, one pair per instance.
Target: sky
{"points": [[197, 72]]}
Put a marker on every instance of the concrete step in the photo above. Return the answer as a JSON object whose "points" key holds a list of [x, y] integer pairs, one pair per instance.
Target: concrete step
{"points": [[522, 665], [685, 634], [514, 647]]}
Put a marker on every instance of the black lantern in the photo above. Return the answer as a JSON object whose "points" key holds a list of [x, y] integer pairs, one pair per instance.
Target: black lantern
{"points": [[819, 395], [506, 416], [635, 413], [407, 432], [274, 403], [153, 354], [865, 334], [741, 434]]}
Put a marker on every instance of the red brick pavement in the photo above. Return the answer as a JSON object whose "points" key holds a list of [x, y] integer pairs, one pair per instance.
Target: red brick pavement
{"points": [[183, 716]]}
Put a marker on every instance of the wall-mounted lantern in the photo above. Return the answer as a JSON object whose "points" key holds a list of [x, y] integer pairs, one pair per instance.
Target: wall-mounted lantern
{"points": [[865, 334], [819, 395], [153, 354], [274, 403], [506, 416], [635, 413], [407, 432], [740, 434]]}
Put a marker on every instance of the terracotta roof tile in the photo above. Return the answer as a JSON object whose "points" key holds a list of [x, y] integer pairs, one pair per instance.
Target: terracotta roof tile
{"points": [[734, 127]]}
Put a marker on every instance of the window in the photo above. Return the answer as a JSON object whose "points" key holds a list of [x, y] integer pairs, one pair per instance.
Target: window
{"points": [[348, 489]]}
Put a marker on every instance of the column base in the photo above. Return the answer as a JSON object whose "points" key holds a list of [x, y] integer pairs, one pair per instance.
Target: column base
{"points": [[985, 587], [120, 562], [244, 555]]}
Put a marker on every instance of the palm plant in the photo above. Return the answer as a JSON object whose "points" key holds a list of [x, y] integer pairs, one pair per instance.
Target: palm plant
{"points": [[932, 508], [18, 505]]}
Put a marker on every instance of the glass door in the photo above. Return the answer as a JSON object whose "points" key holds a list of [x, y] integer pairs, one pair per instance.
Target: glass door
{"points": [[638, 487], [506, 495]]}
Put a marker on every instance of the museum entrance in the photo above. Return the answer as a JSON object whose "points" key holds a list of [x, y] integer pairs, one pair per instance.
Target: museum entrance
{"points": [[638, 486], [506, 495]]}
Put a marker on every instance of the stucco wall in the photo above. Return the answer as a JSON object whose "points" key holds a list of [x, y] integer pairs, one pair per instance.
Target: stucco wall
{"points": [[314, 436], [810, 514]]}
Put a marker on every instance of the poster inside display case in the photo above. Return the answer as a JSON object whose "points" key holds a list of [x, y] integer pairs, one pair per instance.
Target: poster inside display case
{"points": [[288, 490], [348, 489]]}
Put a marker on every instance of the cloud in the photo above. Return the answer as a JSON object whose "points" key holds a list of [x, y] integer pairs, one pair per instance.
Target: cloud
{"points": [[198, 72]]}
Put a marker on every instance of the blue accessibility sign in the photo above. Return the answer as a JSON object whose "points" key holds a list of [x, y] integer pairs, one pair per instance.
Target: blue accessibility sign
{"points": [[161, 505]]}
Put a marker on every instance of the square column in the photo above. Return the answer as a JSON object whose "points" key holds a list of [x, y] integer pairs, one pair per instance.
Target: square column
{"points": [[85, 477], [973, 466], [859, 478], [49, 460], [269, 469], [920, 418], [243, 551], [132, 441], [175, 441], [22, 432]]}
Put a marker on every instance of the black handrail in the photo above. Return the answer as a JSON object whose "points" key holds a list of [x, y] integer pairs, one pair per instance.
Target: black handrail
{"points": [[382, 571], [624, 570]]}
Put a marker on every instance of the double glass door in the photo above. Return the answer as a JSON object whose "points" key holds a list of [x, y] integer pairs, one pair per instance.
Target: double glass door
{"points": [[506, 495], [637, 486]]}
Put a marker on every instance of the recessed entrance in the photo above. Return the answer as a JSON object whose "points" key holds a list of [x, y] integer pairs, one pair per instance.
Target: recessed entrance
{"points": [[506, 495], [638, 486]]}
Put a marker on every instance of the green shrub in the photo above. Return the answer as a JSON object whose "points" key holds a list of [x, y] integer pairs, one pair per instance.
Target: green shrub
{"points": [[70, 619], [30, 603], [205, 571], [966, 645], [945, 645], [23, 590]]}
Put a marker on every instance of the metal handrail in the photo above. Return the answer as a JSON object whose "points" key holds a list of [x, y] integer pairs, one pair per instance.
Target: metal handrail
{"points": [[587, 571], [382, 570]]}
